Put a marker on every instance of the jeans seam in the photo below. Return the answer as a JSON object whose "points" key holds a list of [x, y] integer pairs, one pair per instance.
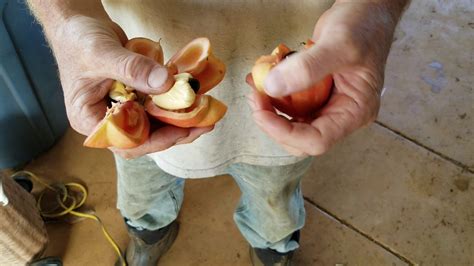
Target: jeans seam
{"points": [[175, 201]]}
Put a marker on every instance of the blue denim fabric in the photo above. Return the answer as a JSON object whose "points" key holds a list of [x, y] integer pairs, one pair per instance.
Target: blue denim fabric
{"points": [[270, 210]]}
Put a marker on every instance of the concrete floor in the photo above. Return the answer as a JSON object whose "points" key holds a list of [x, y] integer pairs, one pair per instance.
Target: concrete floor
{"points": [[398, 192]]}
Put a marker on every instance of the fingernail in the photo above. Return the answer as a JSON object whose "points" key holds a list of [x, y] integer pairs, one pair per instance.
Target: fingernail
{"points": [[157, 78], [275, 84]]}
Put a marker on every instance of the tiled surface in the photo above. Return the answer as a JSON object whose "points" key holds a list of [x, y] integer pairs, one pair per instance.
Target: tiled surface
{"points": [[400, 194], [207, 236], [429, 78], [325, 241]]}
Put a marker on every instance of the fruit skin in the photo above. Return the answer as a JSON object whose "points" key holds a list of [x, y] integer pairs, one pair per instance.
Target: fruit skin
{"points": [[147, 48], [206, 111], [212, 74], [299, 105], [197, 59], [124, 126], [192, 58]]}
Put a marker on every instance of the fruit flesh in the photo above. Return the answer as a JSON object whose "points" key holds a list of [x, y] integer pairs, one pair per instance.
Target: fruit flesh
{"points": [[119, 93], [180, 96]]}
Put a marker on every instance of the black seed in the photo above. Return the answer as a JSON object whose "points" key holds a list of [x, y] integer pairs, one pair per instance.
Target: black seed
{"points": [[290, 54], [110, 101], [195, 85]]}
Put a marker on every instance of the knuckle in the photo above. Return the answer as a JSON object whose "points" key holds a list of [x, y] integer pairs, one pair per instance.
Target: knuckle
{"points": [[350, 45], [130, 67], [318, 148], [94, 49]]}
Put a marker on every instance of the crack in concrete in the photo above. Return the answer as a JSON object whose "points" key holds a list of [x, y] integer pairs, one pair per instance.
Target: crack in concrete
{"points": [[360, 232], [414, 141]]}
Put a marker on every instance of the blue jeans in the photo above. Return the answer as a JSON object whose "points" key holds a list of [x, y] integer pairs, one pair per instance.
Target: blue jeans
{"points": [[270, 210]]}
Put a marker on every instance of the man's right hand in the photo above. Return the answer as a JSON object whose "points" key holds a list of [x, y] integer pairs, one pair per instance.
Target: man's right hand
{"points": [[90, 55]]}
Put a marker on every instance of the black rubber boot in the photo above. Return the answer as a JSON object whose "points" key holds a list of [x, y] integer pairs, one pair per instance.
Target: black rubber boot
{"points": [[270, 257], [146, 247]]}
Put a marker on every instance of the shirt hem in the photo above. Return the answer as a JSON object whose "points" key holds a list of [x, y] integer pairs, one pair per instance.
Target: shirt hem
{"points": [[221, 168]]}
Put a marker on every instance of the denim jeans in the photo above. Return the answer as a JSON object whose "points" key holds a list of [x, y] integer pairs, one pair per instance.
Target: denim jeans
{"points": [[270, 209]]}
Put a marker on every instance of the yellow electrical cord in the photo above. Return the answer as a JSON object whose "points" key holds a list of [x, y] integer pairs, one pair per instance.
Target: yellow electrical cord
{"points": [[62, 195]]}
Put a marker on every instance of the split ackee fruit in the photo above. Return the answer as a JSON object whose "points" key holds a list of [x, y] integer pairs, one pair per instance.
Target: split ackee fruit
{"points": [[125, 125], [197, 59], [196, 70], [299, 105]]}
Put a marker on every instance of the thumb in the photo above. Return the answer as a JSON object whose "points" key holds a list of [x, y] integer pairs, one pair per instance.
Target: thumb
{"points": [[138, 71], [301, 71]]}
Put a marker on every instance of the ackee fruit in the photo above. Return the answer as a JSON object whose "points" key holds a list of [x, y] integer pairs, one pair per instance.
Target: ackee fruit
{"points": [[300, 105], [196, 64], [124, 126], [196, 70]]}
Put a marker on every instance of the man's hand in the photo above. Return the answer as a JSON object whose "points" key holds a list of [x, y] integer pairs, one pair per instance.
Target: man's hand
{"points": [[353, 40], [90, 55]]}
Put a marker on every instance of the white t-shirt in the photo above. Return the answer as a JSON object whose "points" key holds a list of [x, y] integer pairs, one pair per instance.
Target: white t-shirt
{"points": [[240, 31]]}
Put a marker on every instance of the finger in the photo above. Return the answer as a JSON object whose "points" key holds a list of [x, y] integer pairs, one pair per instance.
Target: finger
{"points": [[302, 70], [159, 140], [88, 108], [194, 134], [135, 70], [258, 101], [294, 151], [300, 136], [339, 118], [96, 97], [261, 102]]}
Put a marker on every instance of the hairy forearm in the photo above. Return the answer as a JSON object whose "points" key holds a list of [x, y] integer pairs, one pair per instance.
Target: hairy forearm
{"points": [[53, 13]]}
